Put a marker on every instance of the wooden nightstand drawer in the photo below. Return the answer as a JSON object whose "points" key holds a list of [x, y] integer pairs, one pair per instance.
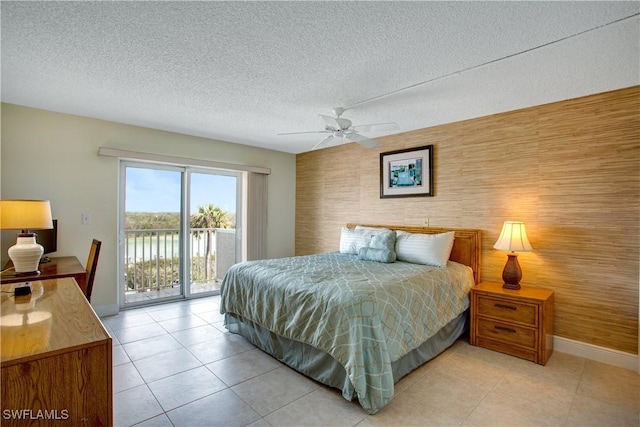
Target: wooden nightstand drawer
{"points": [[505, 309], [505, 332]]}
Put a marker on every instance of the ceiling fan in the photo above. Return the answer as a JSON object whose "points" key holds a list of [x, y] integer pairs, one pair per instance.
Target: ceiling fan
{"points": [[340, 128]]}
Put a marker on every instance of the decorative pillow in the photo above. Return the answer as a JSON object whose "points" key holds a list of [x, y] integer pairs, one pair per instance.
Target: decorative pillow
{"points": [[385, 241], [352, 240], [377, 255], [374, 230], [429, 249]]}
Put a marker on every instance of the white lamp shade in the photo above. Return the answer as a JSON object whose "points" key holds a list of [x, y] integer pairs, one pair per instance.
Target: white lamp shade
{"points": [[25, 215], [513, 238]]}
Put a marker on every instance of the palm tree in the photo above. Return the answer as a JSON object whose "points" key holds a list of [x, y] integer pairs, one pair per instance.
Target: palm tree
{"points": [[209, 217]]}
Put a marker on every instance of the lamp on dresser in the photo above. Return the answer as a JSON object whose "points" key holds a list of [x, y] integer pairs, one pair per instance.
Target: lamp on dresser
{"points": [[25, 215], [513, 238]]}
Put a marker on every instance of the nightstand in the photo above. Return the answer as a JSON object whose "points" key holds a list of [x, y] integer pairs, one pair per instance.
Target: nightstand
{"points": [[516, 322]]}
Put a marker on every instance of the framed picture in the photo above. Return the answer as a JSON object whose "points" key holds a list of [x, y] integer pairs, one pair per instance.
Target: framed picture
{"points": [[407, 173]]}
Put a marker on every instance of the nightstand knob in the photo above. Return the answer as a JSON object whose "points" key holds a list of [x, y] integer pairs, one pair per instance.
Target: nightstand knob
{"points": [[508, 307]]}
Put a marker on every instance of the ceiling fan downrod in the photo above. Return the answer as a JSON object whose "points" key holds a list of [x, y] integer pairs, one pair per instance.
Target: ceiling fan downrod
{"points": [[338, 111]]}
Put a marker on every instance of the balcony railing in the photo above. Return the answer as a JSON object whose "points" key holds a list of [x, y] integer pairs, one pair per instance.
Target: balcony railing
{"points": [[152, 257]]}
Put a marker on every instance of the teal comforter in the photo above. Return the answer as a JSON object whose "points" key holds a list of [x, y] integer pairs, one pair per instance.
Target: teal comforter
{"points": [[364, 314]]}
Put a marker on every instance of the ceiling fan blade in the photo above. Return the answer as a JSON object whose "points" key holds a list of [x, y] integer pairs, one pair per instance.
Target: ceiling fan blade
{"points": [[327, 140], [299, 133], [356, 137], [336, 122], [377, 127]]}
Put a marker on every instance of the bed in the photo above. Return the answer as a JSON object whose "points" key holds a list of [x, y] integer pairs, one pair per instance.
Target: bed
{"points": [[350, 322]]}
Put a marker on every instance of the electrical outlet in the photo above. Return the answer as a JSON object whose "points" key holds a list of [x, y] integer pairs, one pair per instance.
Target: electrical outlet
{"points": [[86, 218], [426, 222]]}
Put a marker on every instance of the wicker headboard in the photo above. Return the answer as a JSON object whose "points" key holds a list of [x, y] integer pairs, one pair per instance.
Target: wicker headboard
{"points": [[466, 246]]}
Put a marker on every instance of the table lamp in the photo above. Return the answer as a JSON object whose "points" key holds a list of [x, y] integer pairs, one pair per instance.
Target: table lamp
{"points": [[512, 238], [25, 215]]}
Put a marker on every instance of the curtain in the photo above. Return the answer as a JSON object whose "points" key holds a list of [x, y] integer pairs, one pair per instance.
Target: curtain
{"points": [[256, 247]]}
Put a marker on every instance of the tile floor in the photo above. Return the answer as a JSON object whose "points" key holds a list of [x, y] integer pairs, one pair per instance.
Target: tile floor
{"points": [[175, 365]]}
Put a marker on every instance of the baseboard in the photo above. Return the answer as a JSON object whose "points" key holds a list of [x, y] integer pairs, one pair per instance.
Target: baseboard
{"points": [[107, 310], [597, 353]]}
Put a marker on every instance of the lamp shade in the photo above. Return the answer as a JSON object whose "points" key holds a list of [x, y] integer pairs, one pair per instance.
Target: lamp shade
{"points": [[25, 215], [513, 238]]}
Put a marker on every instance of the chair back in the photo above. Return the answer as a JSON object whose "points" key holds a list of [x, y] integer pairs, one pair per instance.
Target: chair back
{"points": [[92, 263]]}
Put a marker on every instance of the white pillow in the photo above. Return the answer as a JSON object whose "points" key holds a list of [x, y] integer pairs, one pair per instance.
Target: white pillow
{"points": [[429, 249], [351, 240]]}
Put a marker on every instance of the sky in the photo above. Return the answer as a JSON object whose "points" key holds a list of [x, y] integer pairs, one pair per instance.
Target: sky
{"points": [[153, 190]]}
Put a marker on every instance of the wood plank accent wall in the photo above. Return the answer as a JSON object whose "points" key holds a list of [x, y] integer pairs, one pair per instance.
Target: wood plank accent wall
{"points": [[570, 170]]}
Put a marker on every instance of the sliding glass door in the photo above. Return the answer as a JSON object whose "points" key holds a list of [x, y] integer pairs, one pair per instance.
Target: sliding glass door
{"points": [[177, 231]]}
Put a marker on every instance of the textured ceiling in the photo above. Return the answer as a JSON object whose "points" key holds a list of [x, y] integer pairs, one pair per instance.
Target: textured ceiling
{"points": [[245, 71]]}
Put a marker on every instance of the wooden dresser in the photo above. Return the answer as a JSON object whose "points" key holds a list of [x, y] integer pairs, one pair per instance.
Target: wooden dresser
{"points": [[516, 322], [55, 358]]}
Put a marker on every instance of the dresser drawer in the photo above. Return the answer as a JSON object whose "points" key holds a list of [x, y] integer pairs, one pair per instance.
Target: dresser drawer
{"points": [[505, 309], [509, 333]]}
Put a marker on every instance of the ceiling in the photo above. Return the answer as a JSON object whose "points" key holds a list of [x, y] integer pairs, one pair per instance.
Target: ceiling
{"points": [[246, 71]]}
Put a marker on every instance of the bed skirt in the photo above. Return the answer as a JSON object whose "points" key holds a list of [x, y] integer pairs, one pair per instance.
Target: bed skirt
{"points": [[320, 366]]}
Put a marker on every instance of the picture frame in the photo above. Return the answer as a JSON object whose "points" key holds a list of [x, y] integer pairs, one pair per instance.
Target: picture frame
{"points": [[407, 173]]}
